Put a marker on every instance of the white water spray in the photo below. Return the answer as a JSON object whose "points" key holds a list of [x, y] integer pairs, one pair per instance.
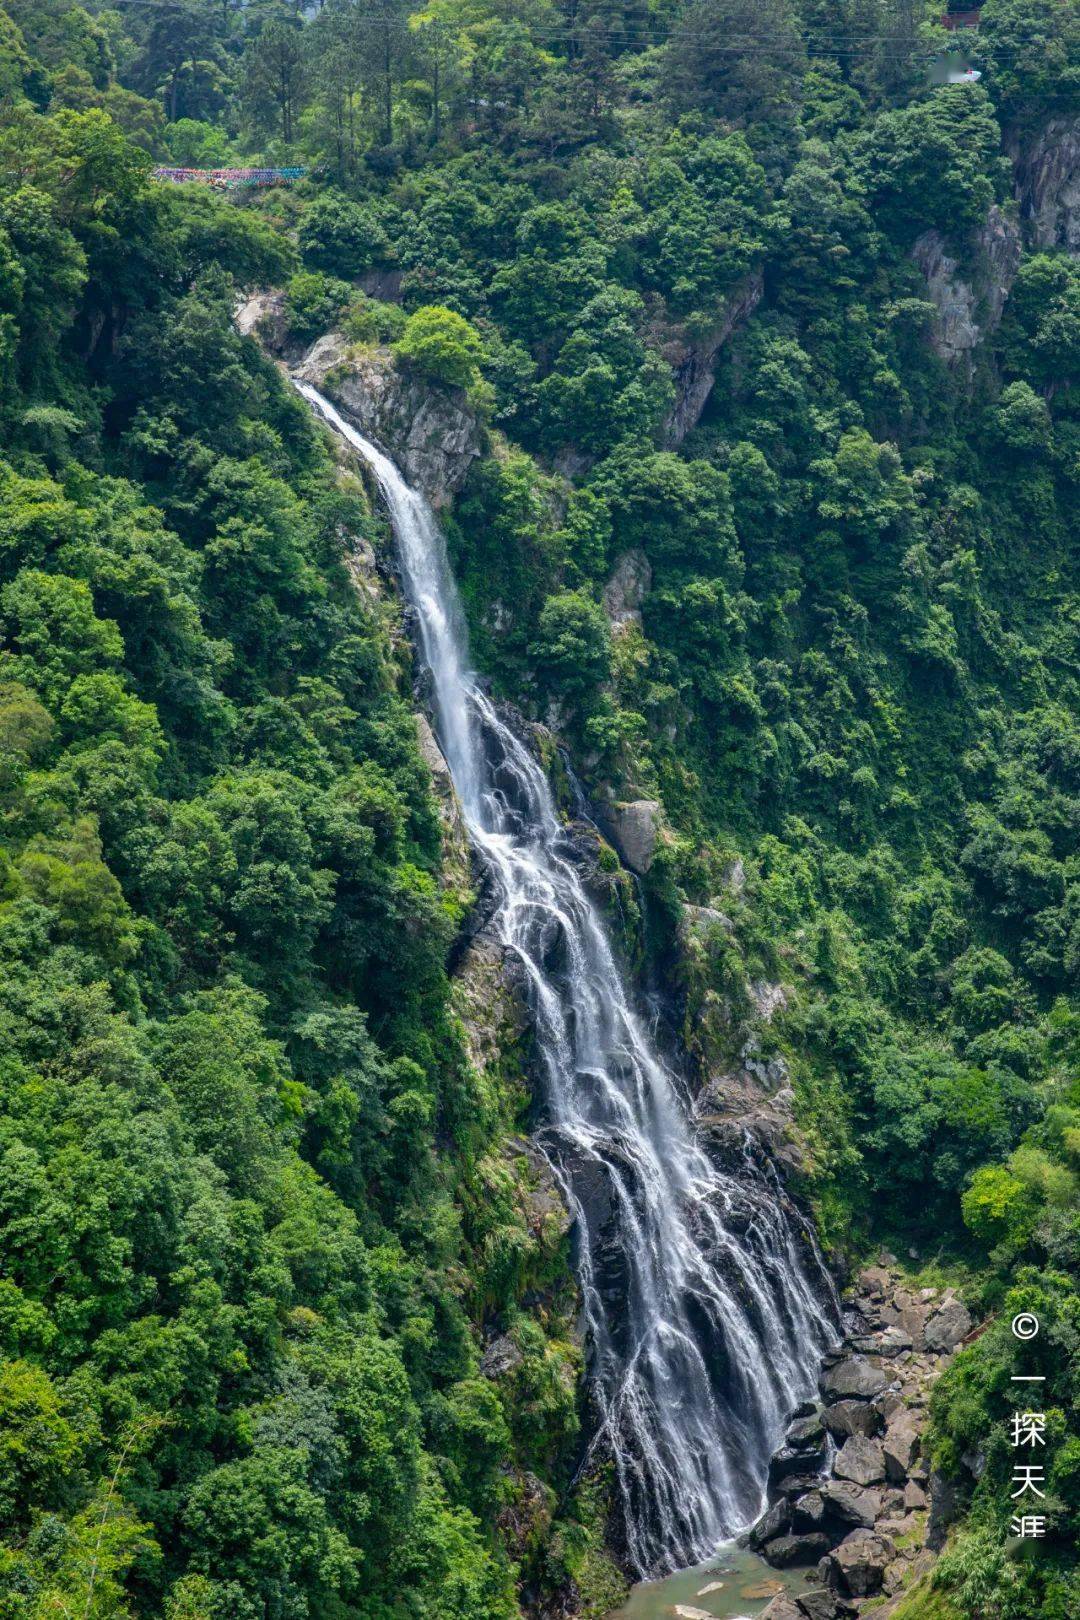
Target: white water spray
{"points": [[707, 1305]]}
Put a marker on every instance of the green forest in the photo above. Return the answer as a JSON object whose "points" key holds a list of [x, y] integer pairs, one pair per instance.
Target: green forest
{"points": [[260, 1208]]}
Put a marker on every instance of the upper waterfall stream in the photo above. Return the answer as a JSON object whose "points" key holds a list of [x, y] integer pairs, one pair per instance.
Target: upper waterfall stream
{"points": [[707, 1306]]}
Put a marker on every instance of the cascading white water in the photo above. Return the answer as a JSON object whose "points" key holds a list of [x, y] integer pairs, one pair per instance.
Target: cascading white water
{"points": [[707, 1306]]}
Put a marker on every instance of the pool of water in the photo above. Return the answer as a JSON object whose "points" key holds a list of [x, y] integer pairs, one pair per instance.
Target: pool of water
{"points": [[742, 1585]]}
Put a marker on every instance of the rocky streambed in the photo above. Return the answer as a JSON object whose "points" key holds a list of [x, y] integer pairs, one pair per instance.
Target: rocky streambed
{"points": [[852, 1495]]}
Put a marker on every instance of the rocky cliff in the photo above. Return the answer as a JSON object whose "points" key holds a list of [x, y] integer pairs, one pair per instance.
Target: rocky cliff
{"points": [[968, 287], [693, 359], [430, 431], [1047, 170]]}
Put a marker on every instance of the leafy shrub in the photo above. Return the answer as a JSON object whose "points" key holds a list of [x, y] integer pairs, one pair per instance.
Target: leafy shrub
{"points": [[314, 302], [341, 237], [573, 648], [442, 345], [370, 321]]}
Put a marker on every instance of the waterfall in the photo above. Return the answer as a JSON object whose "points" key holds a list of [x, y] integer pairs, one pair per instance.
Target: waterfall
{"points": [[707, 1306]]}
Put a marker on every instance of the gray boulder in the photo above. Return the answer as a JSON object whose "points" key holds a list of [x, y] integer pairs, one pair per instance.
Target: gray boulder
{"points": [[808, 1512], [886, 1342], [773, 1523], [851, 1505], [860, 1460], [949, 1324], [821, 1604], [853, 1417], [858, 1565], [782, 1607], [900, 1445], [798, 1484], [790, 1462], [805, 1431], [853, 1376], [788, 1550], [634, 829]]}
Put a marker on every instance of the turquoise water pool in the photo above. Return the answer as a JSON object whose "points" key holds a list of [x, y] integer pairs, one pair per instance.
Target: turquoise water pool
{"points": [[742, 1585]]}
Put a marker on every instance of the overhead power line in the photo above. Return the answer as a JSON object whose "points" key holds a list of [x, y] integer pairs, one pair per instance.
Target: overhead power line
{"points": [[745, 43]]}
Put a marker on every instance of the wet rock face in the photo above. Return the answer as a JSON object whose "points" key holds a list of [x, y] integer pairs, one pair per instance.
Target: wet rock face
{"points": [[809, 1511], [806, 1431], [431, 431], [1047, 170], [969, 288], [774, 1523]]}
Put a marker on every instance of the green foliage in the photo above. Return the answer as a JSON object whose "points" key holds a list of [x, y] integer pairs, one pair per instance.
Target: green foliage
{"points": [[341, 237], [1032, 56], [573, 648], [235, 1367], [315, 302], [935, 164], [440, 344]]}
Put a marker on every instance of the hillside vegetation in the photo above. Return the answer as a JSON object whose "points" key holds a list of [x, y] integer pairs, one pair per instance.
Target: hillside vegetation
{"points": [[256, 1206]]}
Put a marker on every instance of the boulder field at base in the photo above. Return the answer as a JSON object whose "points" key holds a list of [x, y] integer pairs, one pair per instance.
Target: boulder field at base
{"points": [[854, 1493]]}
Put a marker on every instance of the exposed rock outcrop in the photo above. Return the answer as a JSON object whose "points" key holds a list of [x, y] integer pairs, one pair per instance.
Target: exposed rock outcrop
{"points": [[1047, 171], [736, 1101], [431, 431], [626, 590], [969, 297], [634, 829], [263, 316], [693, 359], [494, 1012], [501, 1356]]}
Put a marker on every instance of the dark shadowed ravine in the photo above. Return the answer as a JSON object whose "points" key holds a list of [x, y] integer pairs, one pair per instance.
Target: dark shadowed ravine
{"points": [[707, 1306]]}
